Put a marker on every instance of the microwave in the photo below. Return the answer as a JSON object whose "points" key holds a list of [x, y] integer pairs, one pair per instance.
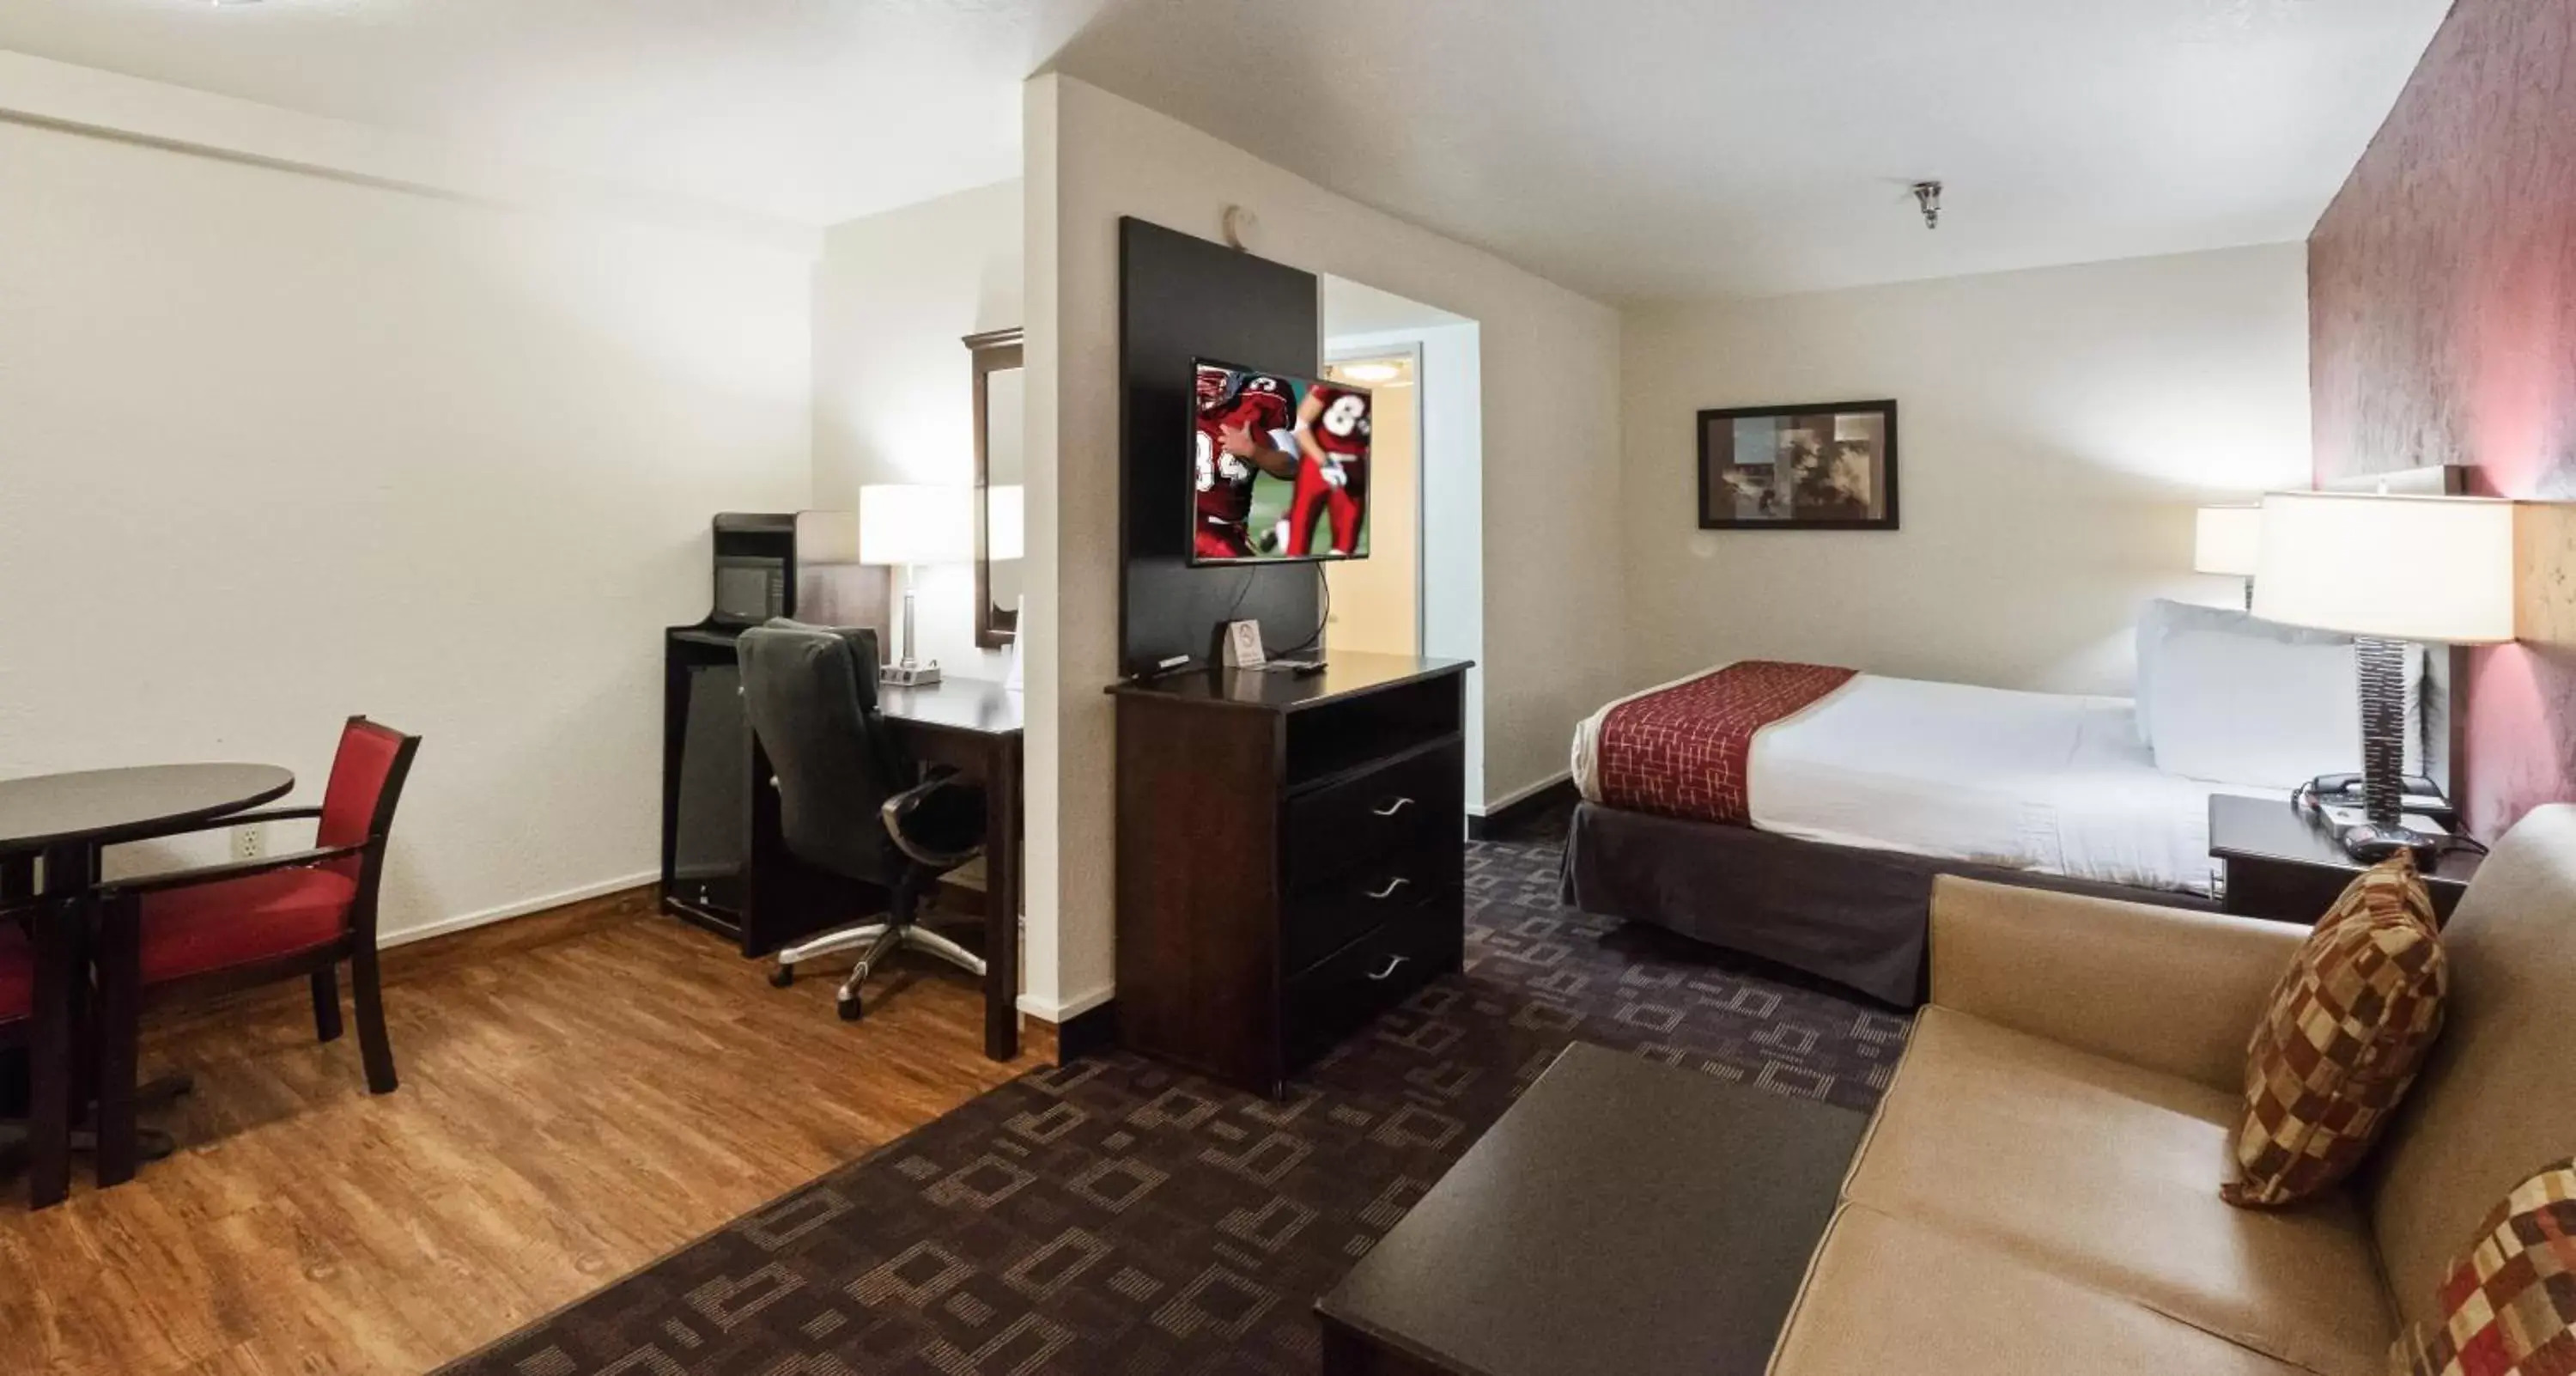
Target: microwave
{"points": [[750, 588]]}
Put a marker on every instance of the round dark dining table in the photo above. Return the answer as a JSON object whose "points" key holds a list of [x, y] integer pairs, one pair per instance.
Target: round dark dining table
{"points": [[66, 820], [68, 816]]}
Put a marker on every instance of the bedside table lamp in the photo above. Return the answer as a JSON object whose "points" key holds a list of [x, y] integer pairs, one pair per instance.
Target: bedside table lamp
{"points": [[2387, 571], [2226, 540], [911, 524]]}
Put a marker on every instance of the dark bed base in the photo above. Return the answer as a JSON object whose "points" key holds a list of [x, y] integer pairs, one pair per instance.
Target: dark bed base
{"points": [[1856, 917]]}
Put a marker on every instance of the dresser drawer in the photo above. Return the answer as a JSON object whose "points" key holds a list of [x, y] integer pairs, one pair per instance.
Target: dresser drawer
{"points": [[1363, 979], [1331, 914], [1419, 799]]}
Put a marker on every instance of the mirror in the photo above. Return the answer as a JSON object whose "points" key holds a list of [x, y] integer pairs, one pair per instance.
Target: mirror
{"points": [[1001, 477]]}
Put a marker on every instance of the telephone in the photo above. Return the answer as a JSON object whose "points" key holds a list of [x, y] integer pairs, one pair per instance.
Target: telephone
{"points": [[2420, 796]]}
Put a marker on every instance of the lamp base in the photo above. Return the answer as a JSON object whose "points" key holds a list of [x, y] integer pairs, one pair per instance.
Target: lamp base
{"points": [[910, 674], [2371, 842]]}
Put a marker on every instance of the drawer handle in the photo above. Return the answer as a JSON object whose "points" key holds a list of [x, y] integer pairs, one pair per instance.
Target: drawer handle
{"points": [[1391, 963], [1393, 808], [1391, 886]]}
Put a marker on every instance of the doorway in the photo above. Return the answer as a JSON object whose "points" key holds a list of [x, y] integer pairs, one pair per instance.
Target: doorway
{"points": [[1377, 601], [1422, 588]]}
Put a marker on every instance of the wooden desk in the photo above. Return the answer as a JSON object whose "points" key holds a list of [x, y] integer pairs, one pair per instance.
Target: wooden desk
{"points": [[970, 725], [975, 727], [720, 831]]}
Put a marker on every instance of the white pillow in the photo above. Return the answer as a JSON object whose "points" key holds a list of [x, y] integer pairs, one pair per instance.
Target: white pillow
{"points": [[2163, 618], [2245, 709], [2160, 621]]}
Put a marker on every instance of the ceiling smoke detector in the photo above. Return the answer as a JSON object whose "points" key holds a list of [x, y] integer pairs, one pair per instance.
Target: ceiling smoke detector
{"points": [[1927, 196]]}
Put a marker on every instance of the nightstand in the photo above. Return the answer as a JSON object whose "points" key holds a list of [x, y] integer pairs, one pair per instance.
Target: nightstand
{"points": [[2285, 865]]}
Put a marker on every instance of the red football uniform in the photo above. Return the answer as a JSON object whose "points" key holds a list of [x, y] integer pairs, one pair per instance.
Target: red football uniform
{"points": [[1263, 405], [1224, 482], [1340, 484], [1225, 496]]}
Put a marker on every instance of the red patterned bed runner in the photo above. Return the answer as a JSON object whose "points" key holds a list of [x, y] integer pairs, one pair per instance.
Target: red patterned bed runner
{"points": [[1682, 751]]}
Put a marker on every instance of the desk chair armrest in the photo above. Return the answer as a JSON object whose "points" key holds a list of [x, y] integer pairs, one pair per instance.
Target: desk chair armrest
{"points": [[216, 874], [898, 810]]}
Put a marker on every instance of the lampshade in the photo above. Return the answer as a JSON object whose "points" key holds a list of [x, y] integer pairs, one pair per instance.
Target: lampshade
{"points": [[2227, 540], [1006, 511], [2437, 570], [916, 523]]}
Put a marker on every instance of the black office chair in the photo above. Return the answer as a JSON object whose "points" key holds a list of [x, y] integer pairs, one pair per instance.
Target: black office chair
{"points": [[849, 802]]}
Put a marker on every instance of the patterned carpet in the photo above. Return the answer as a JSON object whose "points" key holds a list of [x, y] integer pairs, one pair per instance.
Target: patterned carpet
{"points": [[1113, 1216]]}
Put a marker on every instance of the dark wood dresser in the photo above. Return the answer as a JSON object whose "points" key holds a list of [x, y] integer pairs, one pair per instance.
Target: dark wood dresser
{"points": [[1291, 857]]}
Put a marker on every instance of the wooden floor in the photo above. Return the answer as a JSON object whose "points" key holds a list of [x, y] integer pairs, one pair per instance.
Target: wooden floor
{"points": [[581, 1093]]}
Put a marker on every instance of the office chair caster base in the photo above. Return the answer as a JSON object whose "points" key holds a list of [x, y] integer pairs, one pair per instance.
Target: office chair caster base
{"points": [[782, 977], [850, 1009]]}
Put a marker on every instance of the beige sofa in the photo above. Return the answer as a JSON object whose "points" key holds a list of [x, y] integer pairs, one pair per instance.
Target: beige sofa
{"points": [[2039, 1191]]}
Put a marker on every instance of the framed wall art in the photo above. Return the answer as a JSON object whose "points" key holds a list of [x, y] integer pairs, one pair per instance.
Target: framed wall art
{"points": [[1830, 466]]}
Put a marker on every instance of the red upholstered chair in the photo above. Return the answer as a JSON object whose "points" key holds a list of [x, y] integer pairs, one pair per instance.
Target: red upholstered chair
{"points": [[196, 934], [36, 968]]}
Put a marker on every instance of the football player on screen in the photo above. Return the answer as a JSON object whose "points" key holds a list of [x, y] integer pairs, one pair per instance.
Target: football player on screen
{"points": [[1243, 429], [1333, 436]]}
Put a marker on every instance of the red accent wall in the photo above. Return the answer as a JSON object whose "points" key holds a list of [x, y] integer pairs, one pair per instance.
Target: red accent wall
{"points": [[2442, 307]]}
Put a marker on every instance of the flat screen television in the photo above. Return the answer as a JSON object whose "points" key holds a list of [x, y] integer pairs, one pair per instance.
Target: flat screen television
{"points": [[1279, 467]]}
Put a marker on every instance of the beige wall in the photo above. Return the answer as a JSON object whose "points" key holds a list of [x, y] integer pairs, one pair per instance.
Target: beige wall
{"points": [[1551, 362], [1376, 603], [2056, 428], [895, 296], [276, 448]]}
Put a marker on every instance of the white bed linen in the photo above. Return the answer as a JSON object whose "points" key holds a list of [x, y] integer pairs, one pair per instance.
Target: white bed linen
{"points": [[2046, 782]]}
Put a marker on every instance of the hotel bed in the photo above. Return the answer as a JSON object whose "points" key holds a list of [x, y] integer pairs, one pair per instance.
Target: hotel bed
{"points": [[2041, 783], [1857, 800], [1808, 832], [1802, 814]]}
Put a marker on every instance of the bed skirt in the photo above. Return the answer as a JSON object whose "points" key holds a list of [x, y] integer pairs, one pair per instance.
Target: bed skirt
{"points": [[1857, 917]]}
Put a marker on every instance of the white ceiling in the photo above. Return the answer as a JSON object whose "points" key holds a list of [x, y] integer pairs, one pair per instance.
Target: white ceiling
{"points": [[1628, 148], [1656, 148], [806, 110]]}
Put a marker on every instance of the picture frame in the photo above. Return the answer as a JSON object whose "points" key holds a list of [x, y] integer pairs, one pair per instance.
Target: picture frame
{"points": [[1817, 466]]}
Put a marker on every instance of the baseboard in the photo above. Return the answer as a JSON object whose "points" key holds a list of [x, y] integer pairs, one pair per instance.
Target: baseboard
{"points": [[1088, 1033], [1518, 796], [464, 922], [1061, 1011], [1520, 807], [1062, 1041]]}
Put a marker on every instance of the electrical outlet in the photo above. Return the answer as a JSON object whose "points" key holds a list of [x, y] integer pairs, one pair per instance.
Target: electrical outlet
{"points": [[246, 842]]}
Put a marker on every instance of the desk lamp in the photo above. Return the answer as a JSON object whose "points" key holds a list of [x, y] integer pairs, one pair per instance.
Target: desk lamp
{"points": [[2387, 571], [2227, 540], [911, 524]]}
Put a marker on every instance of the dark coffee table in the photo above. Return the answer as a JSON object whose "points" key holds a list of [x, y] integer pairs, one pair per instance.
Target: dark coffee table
{"points": [[1624, 1216]]}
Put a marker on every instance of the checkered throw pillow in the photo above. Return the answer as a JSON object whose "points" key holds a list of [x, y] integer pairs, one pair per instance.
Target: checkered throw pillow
{"points": [[2509, 1306], [2349, 1024]]}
